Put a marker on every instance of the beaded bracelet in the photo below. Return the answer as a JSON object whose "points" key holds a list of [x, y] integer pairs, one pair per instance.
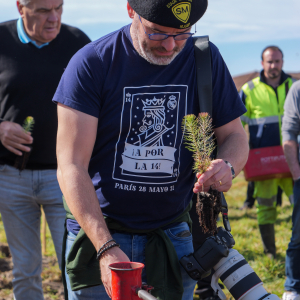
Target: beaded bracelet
{"points": [[102, 250], [112, 240]]}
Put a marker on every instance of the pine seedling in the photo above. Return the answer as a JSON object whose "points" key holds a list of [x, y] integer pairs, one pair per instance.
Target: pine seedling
{"points": [[28, 124], [198, 136], [21, 161]]}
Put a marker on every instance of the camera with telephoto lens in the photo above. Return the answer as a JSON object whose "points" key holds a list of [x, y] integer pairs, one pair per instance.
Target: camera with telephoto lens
{"points": [[228, 264]]}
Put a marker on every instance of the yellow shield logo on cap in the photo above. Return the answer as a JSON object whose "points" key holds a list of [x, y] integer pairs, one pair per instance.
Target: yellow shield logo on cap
{"points": [[182, 11]]}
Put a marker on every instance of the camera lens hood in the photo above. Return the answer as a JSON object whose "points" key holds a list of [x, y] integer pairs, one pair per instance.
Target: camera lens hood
{"points": [[239, 278]]}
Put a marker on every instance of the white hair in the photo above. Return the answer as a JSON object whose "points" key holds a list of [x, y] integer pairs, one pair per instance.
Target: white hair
{"points": [[24, 2]]}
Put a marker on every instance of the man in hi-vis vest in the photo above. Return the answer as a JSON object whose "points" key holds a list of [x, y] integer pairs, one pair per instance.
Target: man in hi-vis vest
{"points": [[264, 98]]}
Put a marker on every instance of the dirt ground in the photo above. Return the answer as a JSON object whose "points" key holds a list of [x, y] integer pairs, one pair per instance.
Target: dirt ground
{"points": [[52, 284]]}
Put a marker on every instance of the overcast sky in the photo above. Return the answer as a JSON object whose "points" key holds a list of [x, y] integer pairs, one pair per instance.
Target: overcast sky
{"points": [[239, 28]]}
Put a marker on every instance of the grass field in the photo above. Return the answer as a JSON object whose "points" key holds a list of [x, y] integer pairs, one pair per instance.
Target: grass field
{"points": [[245, 231]]}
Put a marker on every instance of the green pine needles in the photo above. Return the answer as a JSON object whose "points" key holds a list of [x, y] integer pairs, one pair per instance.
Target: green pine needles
{"points": [[21, 161], [198, 138], [28, 124]]}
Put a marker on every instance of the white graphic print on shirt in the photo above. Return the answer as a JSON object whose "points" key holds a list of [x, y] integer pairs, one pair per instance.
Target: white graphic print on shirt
{"points": [[148, 149]]}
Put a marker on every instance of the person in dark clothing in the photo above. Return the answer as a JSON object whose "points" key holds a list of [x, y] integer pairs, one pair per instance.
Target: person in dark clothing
{"points": [[34, 51], [122, 165]]}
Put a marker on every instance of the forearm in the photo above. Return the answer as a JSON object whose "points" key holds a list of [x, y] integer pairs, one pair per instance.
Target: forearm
{"points": [[290, 149], [81, 198], [235, 149]]}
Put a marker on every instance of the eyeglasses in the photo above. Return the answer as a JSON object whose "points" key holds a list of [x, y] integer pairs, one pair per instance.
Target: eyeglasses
{"points": [[163, 36]]}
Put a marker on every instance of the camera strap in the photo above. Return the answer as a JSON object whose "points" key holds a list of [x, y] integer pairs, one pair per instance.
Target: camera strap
{"points": [[204, 74], [225, 213], [204, 86]]}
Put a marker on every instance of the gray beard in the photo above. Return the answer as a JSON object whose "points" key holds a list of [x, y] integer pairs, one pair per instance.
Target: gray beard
{"points": [[147, 54]]}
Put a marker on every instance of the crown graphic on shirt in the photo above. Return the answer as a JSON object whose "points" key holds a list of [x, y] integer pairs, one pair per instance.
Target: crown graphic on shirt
{"points": [[153, 103]]}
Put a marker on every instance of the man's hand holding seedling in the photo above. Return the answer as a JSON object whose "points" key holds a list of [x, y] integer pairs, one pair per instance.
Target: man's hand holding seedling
{"points": [[213, 176], [198, 135], [217, 175], [14, 138]]}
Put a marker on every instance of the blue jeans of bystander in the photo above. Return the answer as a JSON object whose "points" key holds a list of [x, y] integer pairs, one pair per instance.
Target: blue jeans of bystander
{"points": [[21, 196], [292, 260], [134, 246]]}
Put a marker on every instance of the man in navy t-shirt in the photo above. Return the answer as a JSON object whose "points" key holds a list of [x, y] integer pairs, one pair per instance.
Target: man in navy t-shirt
{"points": [[123, 168]]}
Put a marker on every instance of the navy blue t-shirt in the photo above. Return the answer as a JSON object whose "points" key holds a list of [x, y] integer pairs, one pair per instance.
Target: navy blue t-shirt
{"points": [[140, 167]]}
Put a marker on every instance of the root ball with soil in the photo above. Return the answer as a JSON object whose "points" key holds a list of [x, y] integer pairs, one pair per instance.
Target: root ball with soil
{"points": [[198, 136]]}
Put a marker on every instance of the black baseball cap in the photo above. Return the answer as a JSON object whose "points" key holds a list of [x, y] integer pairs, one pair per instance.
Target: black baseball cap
{"points": [[170, 13]]}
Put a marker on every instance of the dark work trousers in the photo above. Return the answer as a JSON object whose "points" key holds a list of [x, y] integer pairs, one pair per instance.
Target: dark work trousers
{"points": [[279, 196], [198, 239], [250, 191]]}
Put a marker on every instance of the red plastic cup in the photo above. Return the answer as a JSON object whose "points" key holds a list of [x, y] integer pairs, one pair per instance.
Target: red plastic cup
{"points": [[126, 277]]}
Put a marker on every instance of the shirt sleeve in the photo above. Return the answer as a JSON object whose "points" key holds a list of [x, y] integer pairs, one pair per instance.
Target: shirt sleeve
{"points": [[243, 96], [291, 117], [245, 100], [81, 84], [227, 105]]}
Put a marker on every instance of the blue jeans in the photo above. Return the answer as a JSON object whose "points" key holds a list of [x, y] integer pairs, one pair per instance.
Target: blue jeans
{"points": [[21, 195], [134, 246], [292, 261]]}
